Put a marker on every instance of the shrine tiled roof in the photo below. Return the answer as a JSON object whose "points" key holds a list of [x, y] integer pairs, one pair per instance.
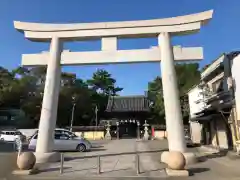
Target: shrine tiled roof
{"points": [[128, 104]]}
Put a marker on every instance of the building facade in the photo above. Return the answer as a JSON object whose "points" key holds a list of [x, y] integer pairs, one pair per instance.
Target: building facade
{"points": [[213, 115], [127, 114]]}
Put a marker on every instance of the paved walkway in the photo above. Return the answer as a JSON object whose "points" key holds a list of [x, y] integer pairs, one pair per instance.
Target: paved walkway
{"points": [[215, 167], [123, 166], [111, 166]]}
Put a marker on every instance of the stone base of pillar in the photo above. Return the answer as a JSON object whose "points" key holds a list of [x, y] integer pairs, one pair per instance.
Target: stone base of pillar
{"points": [[177, 173], [47, 157], [191, 158]]}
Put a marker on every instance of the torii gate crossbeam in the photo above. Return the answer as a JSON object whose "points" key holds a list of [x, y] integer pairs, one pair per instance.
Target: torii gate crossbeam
{"points": [[114, 57]]}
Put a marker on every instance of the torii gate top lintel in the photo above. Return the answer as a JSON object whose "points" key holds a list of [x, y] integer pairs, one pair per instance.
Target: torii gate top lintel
{"points": [[141, 28]]}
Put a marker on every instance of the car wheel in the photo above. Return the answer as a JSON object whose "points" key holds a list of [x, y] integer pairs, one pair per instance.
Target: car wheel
{"points": [[81, 148], [2, 139]]}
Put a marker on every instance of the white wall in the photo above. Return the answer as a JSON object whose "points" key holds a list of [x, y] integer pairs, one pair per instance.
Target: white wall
{"points": [[195, 101], [236, 79], [222, 135], [195, 105], [196, 129]]}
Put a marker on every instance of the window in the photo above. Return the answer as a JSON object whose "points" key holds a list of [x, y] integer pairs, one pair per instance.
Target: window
{"points": [[69, 133], [18, 133], [61, 136], [217, 86], [58, 131]]}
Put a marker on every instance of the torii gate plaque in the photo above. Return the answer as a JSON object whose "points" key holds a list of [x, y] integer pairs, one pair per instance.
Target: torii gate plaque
{"points": [[109, 32]]}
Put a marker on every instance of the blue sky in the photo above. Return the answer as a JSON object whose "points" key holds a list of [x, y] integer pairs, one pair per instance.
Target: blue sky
{"points": [[220, 35]]}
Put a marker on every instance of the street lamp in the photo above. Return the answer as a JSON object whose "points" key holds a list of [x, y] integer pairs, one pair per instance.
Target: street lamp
{"points": [[73, 109], [117, 123]]}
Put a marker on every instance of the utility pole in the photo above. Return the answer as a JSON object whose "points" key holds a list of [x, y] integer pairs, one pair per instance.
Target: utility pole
{"points": [[73, 110], [96, 117]]}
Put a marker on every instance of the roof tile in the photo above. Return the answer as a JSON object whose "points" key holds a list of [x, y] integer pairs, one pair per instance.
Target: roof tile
{"points": [[128, 104]]}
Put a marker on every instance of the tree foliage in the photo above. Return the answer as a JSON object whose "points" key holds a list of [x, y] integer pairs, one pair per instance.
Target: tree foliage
{"points": [[187, 75], [103, 83], [23, 89]]}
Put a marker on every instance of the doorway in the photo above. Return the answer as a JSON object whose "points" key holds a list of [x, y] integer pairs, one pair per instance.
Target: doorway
{"points": [[127, 130]]}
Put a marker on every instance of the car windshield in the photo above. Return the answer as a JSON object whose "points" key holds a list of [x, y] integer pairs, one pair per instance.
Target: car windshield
{"points": [[59, 132], [70, 133]]}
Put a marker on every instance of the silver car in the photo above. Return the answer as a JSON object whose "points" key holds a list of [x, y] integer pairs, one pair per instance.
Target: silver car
{"points": [[64, 142]]}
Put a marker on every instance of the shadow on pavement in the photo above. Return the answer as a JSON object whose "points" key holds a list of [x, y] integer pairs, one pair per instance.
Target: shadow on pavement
{"points": [[53, 169], [194, 145], [193, 171], [96, 146], [98, 149], [211, 156]]}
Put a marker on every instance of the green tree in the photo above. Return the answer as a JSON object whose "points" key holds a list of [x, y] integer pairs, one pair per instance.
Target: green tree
{"points": [[188, 75], [6, 79], [79, 94], [13, 92], [102, 82], [23, 89], [102, 85]]}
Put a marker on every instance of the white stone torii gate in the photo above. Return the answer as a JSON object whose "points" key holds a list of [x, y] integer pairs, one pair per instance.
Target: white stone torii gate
{"points": [[109, 32]]}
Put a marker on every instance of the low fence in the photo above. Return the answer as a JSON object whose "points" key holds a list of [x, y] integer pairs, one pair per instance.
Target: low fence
{"points": [[99, 159]]}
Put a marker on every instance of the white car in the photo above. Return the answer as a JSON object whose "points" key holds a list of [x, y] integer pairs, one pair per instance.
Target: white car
{"points": [[11, 136], [64, 142], [61, 130]]}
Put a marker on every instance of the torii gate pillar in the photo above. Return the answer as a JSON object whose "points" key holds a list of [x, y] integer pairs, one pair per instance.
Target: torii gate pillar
{"points": [[48, 116], [174, 123]]}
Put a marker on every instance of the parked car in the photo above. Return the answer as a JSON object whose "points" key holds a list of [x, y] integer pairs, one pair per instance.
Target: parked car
{"points": [[64, 131], [11, 135], [64, 142], [68, 132], [61, 130]]}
